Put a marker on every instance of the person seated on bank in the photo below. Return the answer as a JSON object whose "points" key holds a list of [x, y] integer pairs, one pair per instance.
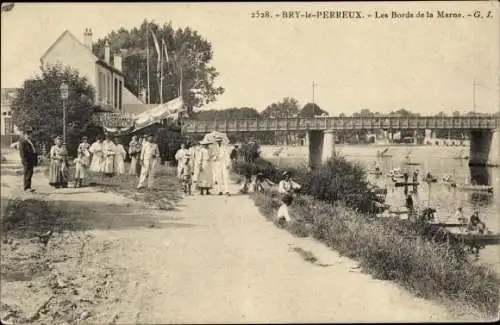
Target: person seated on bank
{"points": [[283, 216], [409, 203], [287, 185], [459, 216], [475, 224]]}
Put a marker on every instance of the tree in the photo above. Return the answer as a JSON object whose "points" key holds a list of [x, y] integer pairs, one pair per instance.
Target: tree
{"points": [[187, 51], [365, 112], [39, 106], [404, 113], [311, 110], [287, 107]]}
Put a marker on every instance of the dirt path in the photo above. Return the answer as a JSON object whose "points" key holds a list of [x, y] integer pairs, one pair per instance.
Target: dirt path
{"points": [[217, 260]]}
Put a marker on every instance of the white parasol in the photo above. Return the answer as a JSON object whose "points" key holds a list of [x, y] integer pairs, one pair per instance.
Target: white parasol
{"points": [[210, 137]]}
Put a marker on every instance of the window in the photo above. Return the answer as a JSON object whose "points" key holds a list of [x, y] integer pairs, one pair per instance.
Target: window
{"points": [[101, 87], [120, 86], [116, 94], [110, 90], [9, 127]]}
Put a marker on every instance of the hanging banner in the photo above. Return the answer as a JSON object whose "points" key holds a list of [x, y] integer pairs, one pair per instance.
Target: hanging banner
{"points": [[158, 113]]}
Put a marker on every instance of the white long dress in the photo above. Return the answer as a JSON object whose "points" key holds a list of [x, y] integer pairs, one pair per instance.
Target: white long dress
{"points": [[109, 157], [120, 155], [97, 157], [221, 165]]}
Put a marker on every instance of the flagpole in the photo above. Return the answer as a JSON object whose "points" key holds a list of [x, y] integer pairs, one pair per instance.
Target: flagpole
{"points": [[180, 86], [147, 62], [161, 77]]}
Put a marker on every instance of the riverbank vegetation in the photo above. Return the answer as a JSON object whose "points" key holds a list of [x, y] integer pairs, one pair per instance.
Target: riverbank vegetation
{"points": [[335, 209]]}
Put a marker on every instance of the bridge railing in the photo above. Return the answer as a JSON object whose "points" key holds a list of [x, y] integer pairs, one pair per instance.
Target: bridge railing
{"points": [[342, 123]]}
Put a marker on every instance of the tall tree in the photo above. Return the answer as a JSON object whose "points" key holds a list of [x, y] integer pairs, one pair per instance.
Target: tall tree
{"points": [[38, 105], [311, 110], [287, 107], [189, 55]]}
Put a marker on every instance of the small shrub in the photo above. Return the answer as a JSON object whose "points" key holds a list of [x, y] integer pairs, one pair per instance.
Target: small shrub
{"points": [[339, 180]]}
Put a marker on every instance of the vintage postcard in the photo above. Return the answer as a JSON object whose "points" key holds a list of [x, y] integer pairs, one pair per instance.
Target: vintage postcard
{"points": [[257, 162]]}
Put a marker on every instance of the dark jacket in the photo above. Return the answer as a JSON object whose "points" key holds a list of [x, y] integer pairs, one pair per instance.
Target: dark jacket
{"points": [[28, 156]]}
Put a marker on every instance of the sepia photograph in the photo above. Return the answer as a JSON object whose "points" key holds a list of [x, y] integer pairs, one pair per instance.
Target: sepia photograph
{"points": [[250, 163]]}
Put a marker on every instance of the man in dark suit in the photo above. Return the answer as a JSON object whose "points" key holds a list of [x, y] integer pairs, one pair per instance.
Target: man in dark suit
{"points": [[29, 158]]}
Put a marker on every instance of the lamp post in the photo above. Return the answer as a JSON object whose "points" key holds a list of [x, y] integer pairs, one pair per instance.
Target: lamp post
{"points": [[64, 95]]}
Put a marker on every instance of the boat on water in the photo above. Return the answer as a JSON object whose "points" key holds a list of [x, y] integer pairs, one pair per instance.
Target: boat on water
{"points": [[412, 163], [374, 172], [383, 153], [401, 184], [473, 187], [478, 239]]}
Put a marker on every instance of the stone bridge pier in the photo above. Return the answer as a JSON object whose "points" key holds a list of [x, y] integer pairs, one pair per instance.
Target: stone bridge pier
{"points": [[321, 146], [484, 148]]}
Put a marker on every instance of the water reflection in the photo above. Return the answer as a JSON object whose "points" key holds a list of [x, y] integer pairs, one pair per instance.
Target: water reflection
{"points": [[480, 175], [478, 199]]}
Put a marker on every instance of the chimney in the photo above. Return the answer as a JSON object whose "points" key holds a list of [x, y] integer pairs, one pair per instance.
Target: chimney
{"points": [[87, 38], [117, 60], [107, 53]]}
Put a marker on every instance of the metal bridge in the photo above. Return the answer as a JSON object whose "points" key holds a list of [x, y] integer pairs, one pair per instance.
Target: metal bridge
{"points": [[466, 123]]}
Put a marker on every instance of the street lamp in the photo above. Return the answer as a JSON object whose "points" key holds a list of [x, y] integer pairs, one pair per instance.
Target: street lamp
{"points": [[64, 95]]}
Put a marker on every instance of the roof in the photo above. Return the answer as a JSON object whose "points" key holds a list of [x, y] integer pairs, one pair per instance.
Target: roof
{"points": [[67, 32], [98, 61], [109, 67]]}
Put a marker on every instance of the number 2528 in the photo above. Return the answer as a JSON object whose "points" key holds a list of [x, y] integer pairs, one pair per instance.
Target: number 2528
{"points": [[261, 14]]}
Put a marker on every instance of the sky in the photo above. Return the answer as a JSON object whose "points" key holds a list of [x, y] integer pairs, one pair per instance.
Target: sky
{"points": [[421, 64]]}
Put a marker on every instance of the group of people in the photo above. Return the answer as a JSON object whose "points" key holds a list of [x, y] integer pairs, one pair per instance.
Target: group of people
{"points": [[108, 158], [205, 165]]}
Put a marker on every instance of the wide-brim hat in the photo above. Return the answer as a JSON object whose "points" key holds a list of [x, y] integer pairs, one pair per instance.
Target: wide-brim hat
{"points": [[205, 142], [285, 173], [218, 138]]}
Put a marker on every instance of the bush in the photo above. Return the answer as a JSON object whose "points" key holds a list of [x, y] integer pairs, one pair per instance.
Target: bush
{"points": [[393, 250], [339, 180]]}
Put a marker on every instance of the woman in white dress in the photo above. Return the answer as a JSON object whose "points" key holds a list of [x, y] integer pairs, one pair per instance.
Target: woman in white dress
{"points": [[204, 173], [97, 156], [108, 148], [120, 155]]}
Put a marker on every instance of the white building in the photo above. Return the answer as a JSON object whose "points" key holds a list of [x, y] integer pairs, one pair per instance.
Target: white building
{"points": [[107, 79], [8, 130]]}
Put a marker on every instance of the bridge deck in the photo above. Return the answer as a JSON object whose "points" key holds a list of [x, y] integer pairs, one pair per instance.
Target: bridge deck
{"points": [[341, 123]]}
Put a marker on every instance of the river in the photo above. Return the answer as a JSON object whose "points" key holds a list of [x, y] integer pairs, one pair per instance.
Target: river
{"points": [[439, 160]]}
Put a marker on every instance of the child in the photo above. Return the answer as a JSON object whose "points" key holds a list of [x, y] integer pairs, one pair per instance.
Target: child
{"points": [[80, 165], [283, 215], [186, 173]]}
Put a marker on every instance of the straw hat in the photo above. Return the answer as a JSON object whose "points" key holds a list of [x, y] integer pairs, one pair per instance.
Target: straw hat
{"points": [[285, 173], [205, 142]]}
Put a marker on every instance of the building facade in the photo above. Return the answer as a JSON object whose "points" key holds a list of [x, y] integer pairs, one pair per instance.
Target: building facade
{"points": [[106, 78], [8, 130]]}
